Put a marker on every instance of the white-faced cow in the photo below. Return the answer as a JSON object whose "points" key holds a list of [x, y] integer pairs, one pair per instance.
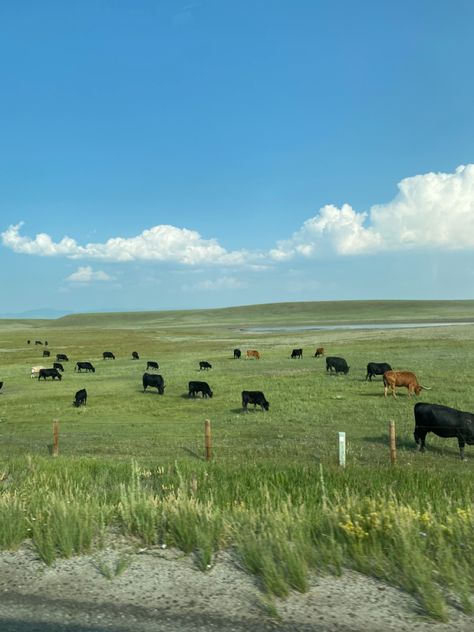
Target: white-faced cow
{"points": [[156, 381], [204, 365], [444, 422], [257, 398], [199, 387]]}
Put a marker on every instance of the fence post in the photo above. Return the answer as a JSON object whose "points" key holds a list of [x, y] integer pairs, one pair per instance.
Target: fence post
{"points": [[393, 445], [55, 451], [207, 439], [342, 449]]}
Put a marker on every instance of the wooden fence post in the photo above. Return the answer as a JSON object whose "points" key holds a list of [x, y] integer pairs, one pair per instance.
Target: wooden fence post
{"points": [[393, 445], [55, 451], [342, 449], [207, 439]]}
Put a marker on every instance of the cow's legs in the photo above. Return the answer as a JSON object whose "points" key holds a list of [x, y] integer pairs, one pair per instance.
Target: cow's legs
{"points": [[420, 437], [461, 443]]}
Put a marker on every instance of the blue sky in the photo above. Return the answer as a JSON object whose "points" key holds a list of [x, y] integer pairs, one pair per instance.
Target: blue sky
{"points": [[167, 154]]}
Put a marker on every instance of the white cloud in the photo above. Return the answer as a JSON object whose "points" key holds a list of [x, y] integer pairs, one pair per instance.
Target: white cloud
{"points": [[430, 211], [87, 275], [159, 243], [434, 210]]}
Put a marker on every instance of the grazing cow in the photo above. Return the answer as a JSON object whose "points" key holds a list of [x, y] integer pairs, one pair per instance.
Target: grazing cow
{"points": [[135, 355], [1, 385], [257, 398], [80, 399], [151, 365], [297, 353], [391, 379], [444, 422], [54, 373], [35, 370], [204, 365], [156, 381], [28, 342], [199, 387], [61, 357], [337, 364], [46, 343], [237, 354], [38, 342], [252, 353], [87, 366], [46, 353], [319, 352], [108, 355], [376, 368], [58, 366]]}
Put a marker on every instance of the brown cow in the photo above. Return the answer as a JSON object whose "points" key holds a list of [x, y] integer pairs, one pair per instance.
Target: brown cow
{"points": [[252, 353], [391, 379], [319, 352]]}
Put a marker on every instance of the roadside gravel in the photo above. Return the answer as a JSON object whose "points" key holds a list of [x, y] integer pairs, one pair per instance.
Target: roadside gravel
{"points": [[159, 590]]}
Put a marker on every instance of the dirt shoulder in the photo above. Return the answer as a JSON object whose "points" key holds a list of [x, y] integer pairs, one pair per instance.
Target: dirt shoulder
{"points": [[160, 590]]}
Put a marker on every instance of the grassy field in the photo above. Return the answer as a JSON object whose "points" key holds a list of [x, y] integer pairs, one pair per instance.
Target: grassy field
{"points": [[133, 460]]}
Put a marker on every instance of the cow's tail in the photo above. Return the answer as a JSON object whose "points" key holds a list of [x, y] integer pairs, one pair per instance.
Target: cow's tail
{"points": [[425, 388]]}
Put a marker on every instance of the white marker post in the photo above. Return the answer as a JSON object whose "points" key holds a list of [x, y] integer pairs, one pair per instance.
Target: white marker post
{"points": [[342, 449]]}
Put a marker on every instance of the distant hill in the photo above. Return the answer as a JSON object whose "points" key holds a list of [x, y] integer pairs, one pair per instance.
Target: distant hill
{"points": [[45, 313], [275, 314]]}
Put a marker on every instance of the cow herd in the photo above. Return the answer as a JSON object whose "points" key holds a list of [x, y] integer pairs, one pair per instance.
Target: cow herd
{"points": [[441, 420]]}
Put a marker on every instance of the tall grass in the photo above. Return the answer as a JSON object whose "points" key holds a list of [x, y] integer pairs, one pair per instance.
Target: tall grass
{"points": [[282, 524]]}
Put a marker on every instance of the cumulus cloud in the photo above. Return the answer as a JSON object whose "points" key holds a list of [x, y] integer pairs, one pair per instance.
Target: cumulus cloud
{"points": [[434, 210], [87, 275], [430, 211], [159, 243]]}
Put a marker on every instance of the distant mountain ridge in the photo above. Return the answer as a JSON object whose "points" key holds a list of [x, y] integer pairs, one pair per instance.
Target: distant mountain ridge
{"points": [[37, 313]]}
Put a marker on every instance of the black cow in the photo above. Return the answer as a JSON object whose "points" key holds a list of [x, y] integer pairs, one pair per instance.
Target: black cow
{"points": [[87, 366], [199, 387], [204, 365], [80, 398], [156, 381], [297, 353], [61, 357], [58, 366], [135, 355], [46, 343], [46, 353], [108, 355], [44, 373], [152, 365], [376, 368], [28, 341], [257, 398], [336, 364], [237, 354], [444, 422], [38, 342], [1, 385]]}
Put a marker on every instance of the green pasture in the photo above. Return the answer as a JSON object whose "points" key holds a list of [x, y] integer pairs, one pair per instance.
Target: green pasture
{"points": [[133, 461]]}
